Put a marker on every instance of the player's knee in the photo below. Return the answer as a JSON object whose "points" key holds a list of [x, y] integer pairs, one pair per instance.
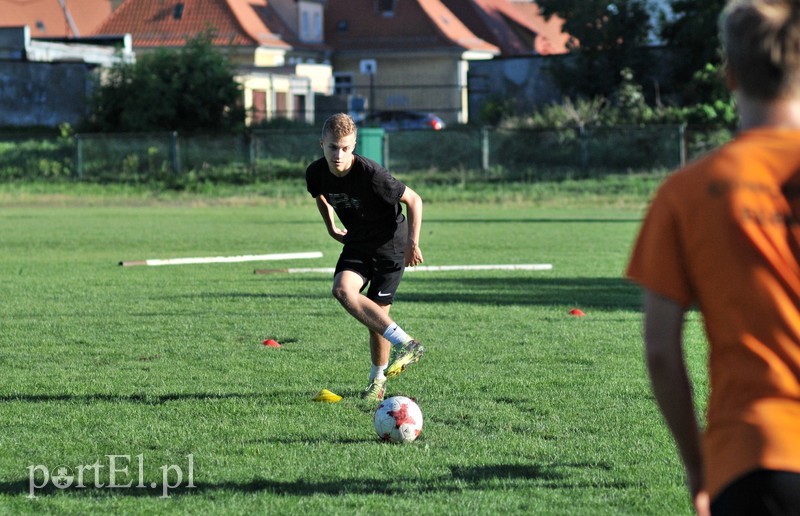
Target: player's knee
{"points": [[341, 293]]}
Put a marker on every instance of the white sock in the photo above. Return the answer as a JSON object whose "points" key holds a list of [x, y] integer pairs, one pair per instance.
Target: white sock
{"points": [[377, 372], [396, 335]]}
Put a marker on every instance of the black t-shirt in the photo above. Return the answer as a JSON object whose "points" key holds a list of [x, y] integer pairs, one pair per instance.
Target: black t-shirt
{"points": [[366, 200]]}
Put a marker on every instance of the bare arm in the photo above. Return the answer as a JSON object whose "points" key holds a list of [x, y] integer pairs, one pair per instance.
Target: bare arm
{"points": [[329, 218], [663, 330], [413, 203]]}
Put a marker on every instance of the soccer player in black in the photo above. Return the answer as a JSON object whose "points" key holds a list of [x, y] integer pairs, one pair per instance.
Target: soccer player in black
{"points": [[379, 242]]}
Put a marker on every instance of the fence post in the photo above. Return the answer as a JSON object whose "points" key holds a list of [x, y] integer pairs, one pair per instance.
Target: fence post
{"points": [[584, 147], [174, 155], [386, 150], [79, 156], [250, 141], [485, 150], [682, 143]]}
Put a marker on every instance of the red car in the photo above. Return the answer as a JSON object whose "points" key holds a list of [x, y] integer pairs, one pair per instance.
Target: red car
{"points": [[404, 121]]}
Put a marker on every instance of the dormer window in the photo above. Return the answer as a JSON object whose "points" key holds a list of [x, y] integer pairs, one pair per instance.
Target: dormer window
{"points": [[316, 27], [177, 11], [385, 7], [305, 26], [310, 21]]}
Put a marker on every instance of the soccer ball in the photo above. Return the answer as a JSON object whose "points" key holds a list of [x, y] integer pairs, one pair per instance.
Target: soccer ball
{"points": [[398, 419]]}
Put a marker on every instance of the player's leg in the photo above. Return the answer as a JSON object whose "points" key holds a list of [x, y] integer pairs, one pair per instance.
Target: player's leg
{"points": [[379, 349], [405, 355], [383, 286], [347, 287], [354, 270]]}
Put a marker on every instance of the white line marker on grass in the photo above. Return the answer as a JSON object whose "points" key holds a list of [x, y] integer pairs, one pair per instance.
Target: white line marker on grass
{"points": [[224, 259], [425, 268]]}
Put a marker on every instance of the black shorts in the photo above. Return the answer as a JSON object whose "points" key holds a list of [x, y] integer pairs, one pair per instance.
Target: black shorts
{"points": [[381, 268], [760, 492]]}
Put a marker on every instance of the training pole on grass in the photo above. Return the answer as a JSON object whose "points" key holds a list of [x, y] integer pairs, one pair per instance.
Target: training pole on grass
{"points": [[224, 259], [424, 268]]}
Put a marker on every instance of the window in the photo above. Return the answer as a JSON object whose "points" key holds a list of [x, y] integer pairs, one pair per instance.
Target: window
{"points": [[385, 8], [310, 21], [343, 84], [259, 106], [305, 26], [281, 108], [299, 107], [317, 27]]}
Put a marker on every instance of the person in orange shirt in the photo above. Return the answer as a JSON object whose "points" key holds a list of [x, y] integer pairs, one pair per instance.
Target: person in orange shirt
{"points": [[724, 234]]}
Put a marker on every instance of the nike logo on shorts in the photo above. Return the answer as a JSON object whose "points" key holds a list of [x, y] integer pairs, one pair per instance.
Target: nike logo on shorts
{"points": [[381, 294]]}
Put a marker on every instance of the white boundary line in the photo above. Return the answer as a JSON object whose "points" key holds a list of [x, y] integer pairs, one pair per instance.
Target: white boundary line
{"points": [[424, 268], [224, 259], [508, 267]]}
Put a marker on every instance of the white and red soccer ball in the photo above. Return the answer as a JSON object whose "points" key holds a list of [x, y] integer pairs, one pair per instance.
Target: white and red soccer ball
{"points": [[398, 419]]}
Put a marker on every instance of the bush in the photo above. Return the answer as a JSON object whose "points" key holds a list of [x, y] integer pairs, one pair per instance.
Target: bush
{"points": [[36, 158], [190, 89]]}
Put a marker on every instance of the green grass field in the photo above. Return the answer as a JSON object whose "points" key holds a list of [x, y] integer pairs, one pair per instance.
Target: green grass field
{"points": [[527, 409]]}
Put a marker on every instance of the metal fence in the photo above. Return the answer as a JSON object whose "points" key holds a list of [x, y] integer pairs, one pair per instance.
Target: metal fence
{"points": [[501, 154]]}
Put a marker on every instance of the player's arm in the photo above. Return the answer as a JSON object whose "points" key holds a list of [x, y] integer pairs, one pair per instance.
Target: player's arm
{"points": [[413, 203], [663, 337], [329, 218]]}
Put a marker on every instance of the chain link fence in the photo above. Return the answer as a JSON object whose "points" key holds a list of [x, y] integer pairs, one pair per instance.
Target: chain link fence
{"points": [[497, 154]]}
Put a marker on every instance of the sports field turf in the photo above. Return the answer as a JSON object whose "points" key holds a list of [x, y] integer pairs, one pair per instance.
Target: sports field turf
{"points": [[527, 409]]}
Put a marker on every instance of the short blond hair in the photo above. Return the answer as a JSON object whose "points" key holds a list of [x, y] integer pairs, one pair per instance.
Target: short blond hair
{"points": [[339, 126], [761, 40]]}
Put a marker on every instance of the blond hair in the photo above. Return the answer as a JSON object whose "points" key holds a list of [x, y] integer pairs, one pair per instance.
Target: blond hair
{"points": [[339, 126], [761, 40]]}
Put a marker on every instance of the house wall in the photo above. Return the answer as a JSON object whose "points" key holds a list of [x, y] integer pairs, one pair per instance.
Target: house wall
{"points": [[320, 75], [43, 94], [285, 96], [522, 79], [411, 82], [268, 57], [526, 82]]}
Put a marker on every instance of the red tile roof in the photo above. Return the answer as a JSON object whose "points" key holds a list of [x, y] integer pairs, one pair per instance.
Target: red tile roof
{"points": [[414, 25], [170, 23], [466, 24], [550, 37], [46, 18], [505, 23]]}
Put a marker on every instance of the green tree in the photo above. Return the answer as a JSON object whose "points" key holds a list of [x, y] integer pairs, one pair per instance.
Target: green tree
{"points": [[692, 33], [606, 36], [190, 89]]}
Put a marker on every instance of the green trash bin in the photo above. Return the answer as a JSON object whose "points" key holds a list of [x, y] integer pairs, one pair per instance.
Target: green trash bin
{"points": [[369, 143]]}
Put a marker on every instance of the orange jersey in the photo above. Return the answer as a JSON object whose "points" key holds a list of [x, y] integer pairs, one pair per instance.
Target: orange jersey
{"points": [[724, 234]]}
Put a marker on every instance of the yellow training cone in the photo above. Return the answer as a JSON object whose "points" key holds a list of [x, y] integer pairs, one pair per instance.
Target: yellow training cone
{"points": [[327, 396]]}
